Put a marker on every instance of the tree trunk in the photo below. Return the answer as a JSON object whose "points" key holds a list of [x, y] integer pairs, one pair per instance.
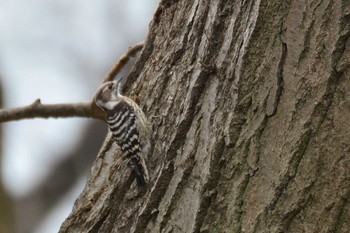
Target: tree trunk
{"points": [[250, 105]]}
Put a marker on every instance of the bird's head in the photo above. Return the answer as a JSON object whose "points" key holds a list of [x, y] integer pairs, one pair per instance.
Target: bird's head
{"points": [[108, 95]]}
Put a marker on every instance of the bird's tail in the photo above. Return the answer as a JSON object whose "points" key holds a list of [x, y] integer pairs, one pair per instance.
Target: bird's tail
{"points": [[139, 175]]}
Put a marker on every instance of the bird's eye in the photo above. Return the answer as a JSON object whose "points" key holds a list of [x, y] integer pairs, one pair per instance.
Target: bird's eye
{"points": [[110, 87]]}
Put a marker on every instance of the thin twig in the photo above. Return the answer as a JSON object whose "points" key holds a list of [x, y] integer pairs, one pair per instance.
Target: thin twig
{"points": [[123, 60], [39, 110], [87, 109]]}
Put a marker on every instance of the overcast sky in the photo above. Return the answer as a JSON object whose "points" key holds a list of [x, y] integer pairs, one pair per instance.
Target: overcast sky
{"points": [[57, 50]]}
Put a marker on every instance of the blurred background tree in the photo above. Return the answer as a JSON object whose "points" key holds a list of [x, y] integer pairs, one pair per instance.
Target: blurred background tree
{"points": [[6, 205]]}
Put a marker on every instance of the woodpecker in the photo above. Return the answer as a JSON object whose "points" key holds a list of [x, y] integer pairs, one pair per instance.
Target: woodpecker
{"points": [[130, 128]]}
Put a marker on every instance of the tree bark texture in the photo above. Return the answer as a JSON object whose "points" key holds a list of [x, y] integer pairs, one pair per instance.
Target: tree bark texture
{"points": [[250, 104]]}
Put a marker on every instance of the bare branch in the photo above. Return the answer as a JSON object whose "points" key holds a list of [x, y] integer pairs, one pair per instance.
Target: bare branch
{"points": [[87, 109], [123, 60], [39, 110]]}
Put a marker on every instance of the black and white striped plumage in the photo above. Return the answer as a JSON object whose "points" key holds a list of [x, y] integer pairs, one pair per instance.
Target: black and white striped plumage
{"points": [[129, 126]]}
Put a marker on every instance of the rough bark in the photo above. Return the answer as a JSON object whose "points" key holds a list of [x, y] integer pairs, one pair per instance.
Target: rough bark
{"points": [[250, 105]]}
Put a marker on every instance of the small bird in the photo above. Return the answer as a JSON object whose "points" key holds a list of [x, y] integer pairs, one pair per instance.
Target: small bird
{"points": [[130, 128]]}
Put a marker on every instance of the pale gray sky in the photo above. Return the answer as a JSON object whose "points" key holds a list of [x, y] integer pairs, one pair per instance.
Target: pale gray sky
{"points": [[58, 50]]}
